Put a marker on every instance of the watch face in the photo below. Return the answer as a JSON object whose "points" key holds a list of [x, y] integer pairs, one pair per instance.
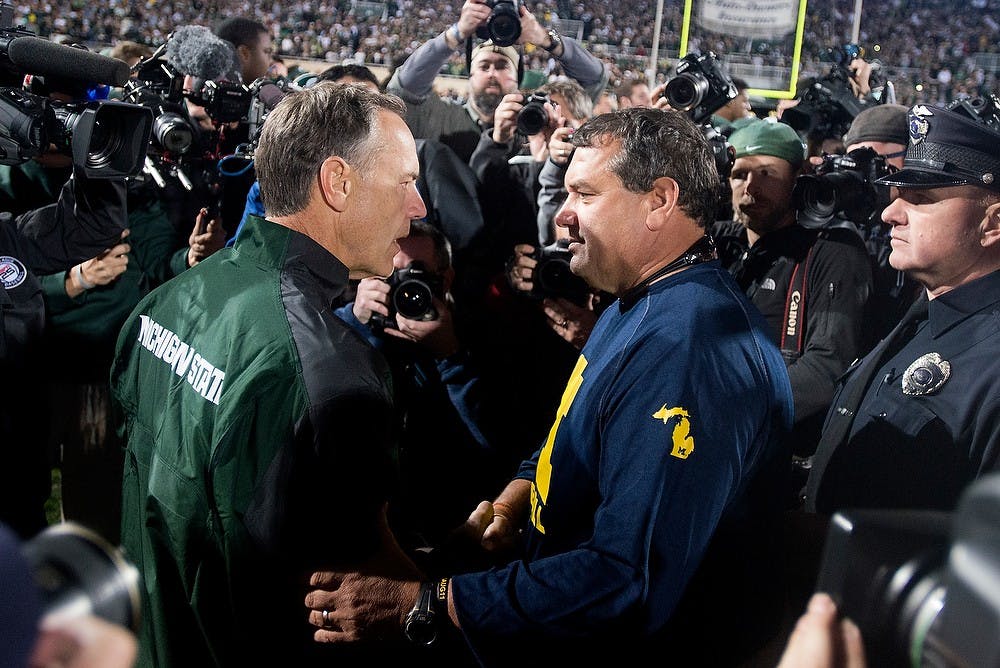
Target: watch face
{"points": [[420, 628]]}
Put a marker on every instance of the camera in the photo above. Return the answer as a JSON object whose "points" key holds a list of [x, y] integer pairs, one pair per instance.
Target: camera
{"points": [[533, 117], [922, 586], [504, 23], [79, 573], [983, 109], [411, 294], [224, 101], [843, 187], [722, 151], [106, 139], [552, 276], [700, 86], [828, 105]]}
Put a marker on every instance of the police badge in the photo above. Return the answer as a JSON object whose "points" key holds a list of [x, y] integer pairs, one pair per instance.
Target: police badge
{"points": [[926, 375], [918, 123]]}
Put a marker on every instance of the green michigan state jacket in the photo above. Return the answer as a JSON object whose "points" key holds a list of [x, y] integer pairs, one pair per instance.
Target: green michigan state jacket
{"points": [[259, 449]]}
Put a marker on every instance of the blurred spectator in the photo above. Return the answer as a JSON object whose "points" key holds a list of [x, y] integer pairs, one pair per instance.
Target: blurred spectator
{"points": [[633, 93]]}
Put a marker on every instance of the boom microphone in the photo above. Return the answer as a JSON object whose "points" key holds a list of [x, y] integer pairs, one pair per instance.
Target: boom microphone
{"points": [[40, 56], [197, 51]]}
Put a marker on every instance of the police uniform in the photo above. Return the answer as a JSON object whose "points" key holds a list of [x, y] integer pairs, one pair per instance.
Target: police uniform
{"points": [[919, 417]]}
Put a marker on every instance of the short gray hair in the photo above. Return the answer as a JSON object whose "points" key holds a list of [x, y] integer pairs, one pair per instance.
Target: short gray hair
{"points": [[306, 128]]}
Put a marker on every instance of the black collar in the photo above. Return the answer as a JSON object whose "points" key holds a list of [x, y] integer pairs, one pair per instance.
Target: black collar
{"points": [[700, 251]]}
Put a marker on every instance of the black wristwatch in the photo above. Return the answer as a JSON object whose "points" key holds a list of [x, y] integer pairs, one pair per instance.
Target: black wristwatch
{"points": [[554, 43], [421, 627]]}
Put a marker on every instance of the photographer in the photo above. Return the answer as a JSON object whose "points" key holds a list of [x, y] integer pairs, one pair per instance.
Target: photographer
{"points": [[811, 285], [456, 426], [883, 129], [493, 73]]}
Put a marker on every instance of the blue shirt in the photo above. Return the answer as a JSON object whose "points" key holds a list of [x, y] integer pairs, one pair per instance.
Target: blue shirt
{"points": [[672, 408]]}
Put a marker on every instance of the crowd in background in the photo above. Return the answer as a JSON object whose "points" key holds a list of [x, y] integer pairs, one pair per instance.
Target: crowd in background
{"points": [[928, 48]]}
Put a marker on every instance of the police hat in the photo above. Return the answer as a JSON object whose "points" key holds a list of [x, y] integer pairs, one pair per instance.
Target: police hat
{"points": [[947, 149]]}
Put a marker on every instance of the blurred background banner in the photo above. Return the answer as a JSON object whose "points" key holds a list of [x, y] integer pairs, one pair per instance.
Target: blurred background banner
{"points": [[770, 19], [761, 40]]}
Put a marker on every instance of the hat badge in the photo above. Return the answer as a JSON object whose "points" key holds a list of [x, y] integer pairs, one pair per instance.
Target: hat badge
{"points": [[926, 375], [919, 126]]}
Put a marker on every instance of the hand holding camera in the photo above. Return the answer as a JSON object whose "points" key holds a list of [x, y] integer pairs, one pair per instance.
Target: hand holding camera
{"points": [[561, 146]]}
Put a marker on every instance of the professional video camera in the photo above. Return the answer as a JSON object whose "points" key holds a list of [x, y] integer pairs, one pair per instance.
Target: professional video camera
{"points": [[78, 572], [700, 87], [843, 187], [533, 117], [552, 276], [828, 105], [411, 294], [504, 24], [920, 596], [105, 139]]}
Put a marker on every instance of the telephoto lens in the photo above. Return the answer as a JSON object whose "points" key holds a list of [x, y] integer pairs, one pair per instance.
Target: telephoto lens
{"points": [[80, 573]]}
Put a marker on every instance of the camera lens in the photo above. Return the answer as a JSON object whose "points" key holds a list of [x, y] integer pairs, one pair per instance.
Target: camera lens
{"points": [[79, 573], [172, 132], [413, 299], [816, 196], [533, 117], [504, 24], [685, 92]]}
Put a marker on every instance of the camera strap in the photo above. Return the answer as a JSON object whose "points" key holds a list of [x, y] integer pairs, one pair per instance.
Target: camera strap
{"points": [[793, 332], [700, 251]]}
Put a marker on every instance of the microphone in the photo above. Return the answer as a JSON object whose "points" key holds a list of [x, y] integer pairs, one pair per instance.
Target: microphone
{"points": [[197, 51], [40, 56]]}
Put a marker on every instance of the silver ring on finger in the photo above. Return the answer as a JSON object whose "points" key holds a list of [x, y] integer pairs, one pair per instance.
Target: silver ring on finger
{"points": [[327, 623]]}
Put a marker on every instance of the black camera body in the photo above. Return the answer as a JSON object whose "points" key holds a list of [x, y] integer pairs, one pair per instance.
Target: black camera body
{"points": [[843, 187], [552, 276], [829, 105], [224, 101], [412, 290], [533, 117], [700, 86], [503, 26], [983, 109], [922, 586]]}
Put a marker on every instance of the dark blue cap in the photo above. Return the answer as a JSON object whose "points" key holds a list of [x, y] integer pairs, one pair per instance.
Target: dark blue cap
{"points": [[947, 149]]}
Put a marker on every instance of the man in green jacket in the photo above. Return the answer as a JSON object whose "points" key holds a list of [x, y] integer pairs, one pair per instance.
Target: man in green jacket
{"points": [[258, 423]]}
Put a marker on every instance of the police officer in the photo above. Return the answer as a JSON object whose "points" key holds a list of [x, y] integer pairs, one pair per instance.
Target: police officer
{"points": [[919, 417]]}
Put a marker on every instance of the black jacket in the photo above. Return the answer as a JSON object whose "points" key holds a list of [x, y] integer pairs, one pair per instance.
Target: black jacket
{"points": [[837, 285]]}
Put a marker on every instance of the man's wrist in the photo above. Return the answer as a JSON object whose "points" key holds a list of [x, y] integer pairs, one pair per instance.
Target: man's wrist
{"points": [[555, 44], [80, 280], [429, 614], [453, 36]]}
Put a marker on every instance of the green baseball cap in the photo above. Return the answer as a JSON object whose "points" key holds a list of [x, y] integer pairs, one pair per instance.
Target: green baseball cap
{"points": [[763, 137]]}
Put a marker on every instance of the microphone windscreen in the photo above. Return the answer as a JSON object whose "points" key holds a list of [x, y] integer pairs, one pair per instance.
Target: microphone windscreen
{"points": [[39, 56], [197, 51]]}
